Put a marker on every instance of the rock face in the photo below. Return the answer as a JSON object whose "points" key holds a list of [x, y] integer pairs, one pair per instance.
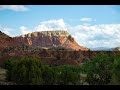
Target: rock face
{"points": [[50, 39], [6, 41], [116, 49]]}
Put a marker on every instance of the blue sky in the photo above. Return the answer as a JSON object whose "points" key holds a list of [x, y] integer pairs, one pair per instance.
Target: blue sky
{"points": [[104, 14], [89, 24]]}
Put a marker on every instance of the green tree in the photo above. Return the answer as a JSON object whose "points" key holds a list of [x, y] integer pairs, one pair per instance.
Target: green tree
{"points": [[30, 71], [69, 75], [116, 70], [99, 69], [9, 65], [50, 75], [24, 70]]}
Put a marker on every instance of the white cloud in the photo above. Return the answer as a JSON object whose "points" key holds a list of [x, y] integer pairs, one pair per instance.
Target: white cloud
{"points": [[5, 29], [25, 30], [103, 35], [13, 32], [14, 7], [51, 25], [87, 19]]}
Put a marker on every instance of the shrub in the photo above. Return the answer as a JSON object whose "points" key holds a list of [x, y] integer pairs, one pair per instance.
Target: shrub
{"points": [[30, 71], [99, 69], [50, 75], [24, 70], [116, 70], [69, 75]]}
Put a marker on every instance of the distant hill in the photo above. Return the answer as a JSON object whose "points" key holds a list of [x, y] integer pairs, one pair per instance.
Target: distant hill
{"points": [[6, 41], [50, 39], [101, 49]]}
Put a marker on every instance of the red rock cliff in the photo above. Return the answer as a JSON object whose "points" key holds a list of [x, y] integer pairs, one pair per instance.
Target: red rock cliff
{"points": [[49, 39], [6, 41]]}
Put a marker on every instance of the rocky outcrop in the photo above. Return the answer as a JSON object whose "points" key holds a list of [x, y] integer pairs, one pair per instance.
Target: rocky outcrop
{"points": [[116, 49], [50, 39], [6, 41]]}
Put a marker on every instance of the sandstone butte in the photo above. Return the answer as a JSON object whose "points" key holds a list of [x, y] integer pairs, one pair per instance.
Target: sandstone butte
{"points": [[50, 39]]}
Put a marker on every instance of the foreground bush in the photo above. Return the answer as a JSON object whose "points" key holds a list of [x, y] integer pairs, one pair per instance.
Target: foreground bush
{"points": [[70, 75], [61, 75], [24, 70], [30, 71], [99, 69], [116, 70], [50, 75]]}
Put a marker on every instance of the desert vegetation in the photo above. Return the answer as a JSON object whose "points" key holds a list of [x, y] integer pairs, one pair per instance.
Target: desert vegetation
{"points": [[102, 69], [31, 71]]}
